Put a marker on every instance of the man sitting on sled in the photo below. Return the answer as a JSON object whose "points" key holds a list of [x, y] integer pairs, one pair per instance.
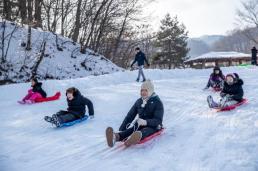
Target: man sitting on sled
{"points": [[231, 94], [144, 118]]}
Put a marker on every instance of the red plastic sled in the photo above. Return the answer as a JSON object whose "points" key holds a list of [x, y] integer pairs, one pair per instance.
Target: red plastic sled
{"points": [[51, 98], [228, 108], [151, 136]]}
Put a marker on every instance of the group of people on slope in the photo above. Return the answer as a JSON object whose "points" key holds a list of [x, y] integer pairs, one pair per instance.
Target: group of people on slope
{"points": [[146, 115], [230, 86], [144, 118]]}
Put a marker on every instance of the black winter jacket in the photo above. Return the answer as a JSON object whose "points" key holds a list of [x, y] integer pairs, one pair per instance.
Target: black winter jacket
{"points": [[77, 105], [152, 113], [140, 58], [37, 88], [235, 90]]}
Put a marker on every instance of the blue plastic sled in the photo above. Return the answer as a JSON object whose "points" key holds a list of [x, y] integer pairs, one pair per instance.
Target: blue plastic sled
{"points": [[75, 121]]}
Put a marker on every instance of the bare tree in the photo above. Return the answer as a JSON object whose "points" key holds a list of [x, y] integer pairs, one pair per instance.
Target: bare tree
{"points": [[248, 16], [39, 60]]}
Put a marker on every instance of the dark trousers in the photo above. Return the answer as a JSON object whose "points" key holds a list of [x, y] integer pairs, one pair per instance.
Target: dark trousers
{"points": [[146, 131], [65, 116]]}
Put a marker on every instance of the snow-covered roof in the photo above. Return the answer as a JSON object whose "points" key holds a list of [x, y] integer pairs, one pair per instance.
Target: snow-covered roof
{"points": [[219, 55]]}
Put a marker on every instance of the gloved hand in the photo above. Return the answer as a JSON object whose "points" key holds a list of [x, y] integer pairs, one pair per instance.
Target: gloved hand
{"points": [[222, 94], [91, 116], [141, 122]]}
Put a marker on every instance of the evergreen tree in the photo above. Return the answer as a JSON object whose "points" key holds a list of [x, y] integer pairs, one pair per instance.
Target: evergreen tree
{"points": [[171, 42]]}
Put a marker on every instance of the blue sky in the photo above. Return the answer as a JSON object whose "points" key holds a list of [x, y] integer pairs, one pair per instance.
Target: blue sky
{"points": [[201, 17]]}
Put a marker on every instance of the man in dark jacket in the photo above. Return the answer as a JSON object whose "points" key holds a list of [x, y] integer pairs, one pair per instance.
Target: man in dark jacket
{"points": [[254, 55], [144, 118], [140, 58], [76, 108], [216, 79], [232, 92]]}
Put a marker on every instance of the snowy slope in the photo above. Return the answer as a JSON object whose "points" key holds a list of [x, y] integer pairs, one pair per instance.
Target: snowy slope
{"points": [[68, 63], [196, 138]]}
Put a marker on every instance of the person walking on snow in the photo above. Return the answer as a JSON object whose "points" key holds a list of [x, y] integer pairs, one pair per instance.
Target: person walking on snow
{"points": [[254, 56], [76, 108], [140, 58], [34, 93], [216, 79], [231, 93], [144, 118]]}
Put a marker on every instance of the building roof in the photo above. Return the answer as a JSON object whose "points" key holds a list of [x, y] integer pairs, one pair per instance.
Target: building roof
{"points": [[219, 55]]}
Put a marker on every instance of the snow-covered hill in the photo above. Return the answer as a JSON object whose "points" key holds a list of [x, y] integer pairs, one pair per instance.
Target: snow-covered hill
{"points": [[67, 62], [195, 139]]}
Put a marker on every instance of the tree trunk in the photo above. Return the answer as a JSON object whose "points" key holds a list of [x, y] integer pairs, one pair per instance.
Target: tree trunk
{"points": [[118, 39], [101, 29], [94, 22], [62, 17], [30, 17], [35, 67], [28, 46], [3, 41], [37, 14], [7, 9], [77, 22], [23, 11]]}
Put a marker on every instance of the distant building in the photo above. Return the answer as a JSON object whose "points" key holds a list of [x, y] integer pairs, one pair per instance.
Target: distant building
{"points": [[212, 59]]}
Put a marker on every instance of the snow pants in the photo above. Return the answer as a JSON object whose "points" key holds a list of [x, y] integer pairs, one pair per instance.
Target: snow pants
{"points": [[224, 102], [32, 96], [146, 131], [65, 116]]}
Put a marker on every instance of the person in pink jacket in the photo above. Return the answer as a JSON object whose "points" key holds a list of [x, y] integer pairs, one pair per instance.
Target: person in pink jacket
{"points": [[34, 93]]}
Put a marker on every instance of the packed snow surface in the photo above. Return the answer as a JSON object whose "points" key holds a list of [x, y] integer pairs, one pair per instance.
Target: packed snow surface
{"points": [[195, 139]]}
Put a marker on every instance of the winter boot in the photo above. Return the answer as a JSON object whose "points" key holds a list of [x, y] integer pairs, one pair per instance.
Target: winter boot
{"points": [[211, 102], [22, 102], [137, 80], [49, 119], [29, 102], [111, 137], [134, 138], [56, 120]]}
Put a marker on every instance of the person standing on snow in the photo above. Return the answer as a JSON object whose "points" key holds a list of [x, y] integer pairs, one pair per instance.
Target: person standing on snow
{"points": [[216, 79], [144, 118], [254, 56], [140, 58], [76, 108], [231, 94]]}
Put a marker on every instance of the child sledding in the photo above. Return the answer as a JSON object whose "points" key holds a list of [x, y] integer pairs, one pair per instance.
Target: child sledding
{"points": [[143, 120], [36, 94], [231, 94], [75, 111], [216, 80]]}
